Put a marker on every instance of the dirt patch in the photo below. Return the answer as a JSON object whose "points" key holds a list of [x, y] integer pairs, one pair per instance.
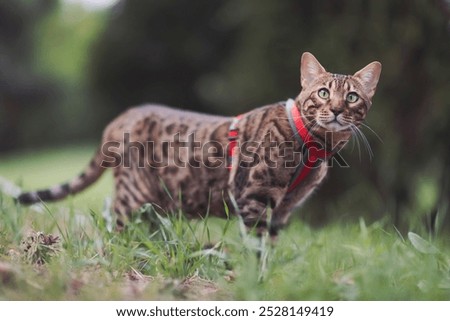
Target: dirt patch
{"points": [[138, 286], [196, 288]]}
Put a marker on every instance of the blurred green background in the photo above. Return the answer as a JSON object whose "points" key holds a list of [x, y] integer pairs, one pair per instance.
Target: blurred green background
{"points": [[68, 67]]}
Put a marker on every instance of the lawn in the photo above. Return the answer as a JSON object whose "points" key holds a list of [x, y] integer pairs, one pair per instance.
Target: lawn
{"points": [[67, 251]]}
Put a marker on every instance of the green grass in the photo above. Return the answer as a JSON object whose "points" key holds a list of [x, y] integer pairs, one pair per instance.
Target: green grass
{"points": [[173, 258]]}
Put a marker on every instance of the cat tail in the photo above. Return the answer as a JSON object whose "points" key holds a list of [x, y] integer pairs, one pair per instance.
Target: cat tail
{"points": [[92, 172]]}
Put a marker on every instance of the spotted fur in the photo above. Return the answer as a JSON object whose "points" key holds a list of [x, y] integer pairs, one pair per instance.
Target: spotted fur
{"points": [[158, 154]]}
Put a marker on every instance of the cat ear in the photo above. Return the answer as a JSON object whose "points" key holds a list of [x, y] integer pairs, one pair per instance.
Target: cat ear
{"points": [[310, 69], [368, 77]]}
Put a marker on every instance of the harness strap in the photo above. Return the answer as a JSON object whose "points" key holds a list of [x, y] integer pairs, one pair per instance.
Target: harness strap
{"points": [[301, 133], [233, 134], [313, 153]]}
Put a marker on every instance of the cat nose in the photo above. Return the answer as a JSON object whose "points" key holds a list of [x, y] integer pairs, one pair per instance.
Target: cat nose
{"points": [[336, 110]]}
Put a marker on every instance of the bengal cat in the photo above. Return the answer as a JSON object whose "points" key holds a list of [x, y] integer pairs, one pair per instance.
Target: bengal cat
{"points": [[268, 160]]}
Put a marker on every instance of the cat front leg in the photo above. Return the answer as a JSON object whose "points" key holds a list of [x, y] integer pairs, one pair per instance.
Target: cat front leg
{"points": [[254, 214], [255, 198]]}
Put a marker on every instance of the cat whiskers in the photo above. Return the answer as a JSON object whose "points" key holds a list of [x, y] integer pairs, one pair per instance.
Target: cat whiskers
{"points": [[313, 122], [315, 125], [310, 125], [359, 135], [376, 135]]}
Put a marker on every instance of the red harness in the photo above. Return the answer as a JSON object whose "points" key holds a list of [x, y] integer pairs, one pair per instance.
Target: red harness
{"points": [[313, 152], [233, 134]]}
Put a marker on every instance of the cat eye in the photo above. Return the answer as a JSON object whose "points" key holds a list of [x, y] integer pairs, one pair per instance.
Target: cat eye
{"points": [[352, 97], [324, 93]]}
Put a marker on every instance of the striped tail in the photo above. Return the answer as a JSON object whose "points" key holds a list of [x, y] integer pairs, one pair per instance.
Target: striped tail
{"points": [[79, 183]]}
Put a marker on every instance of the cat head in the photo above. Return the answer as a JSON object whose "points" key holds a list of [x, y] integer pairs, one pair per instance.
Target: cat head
{"points": [[333, 102]]}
